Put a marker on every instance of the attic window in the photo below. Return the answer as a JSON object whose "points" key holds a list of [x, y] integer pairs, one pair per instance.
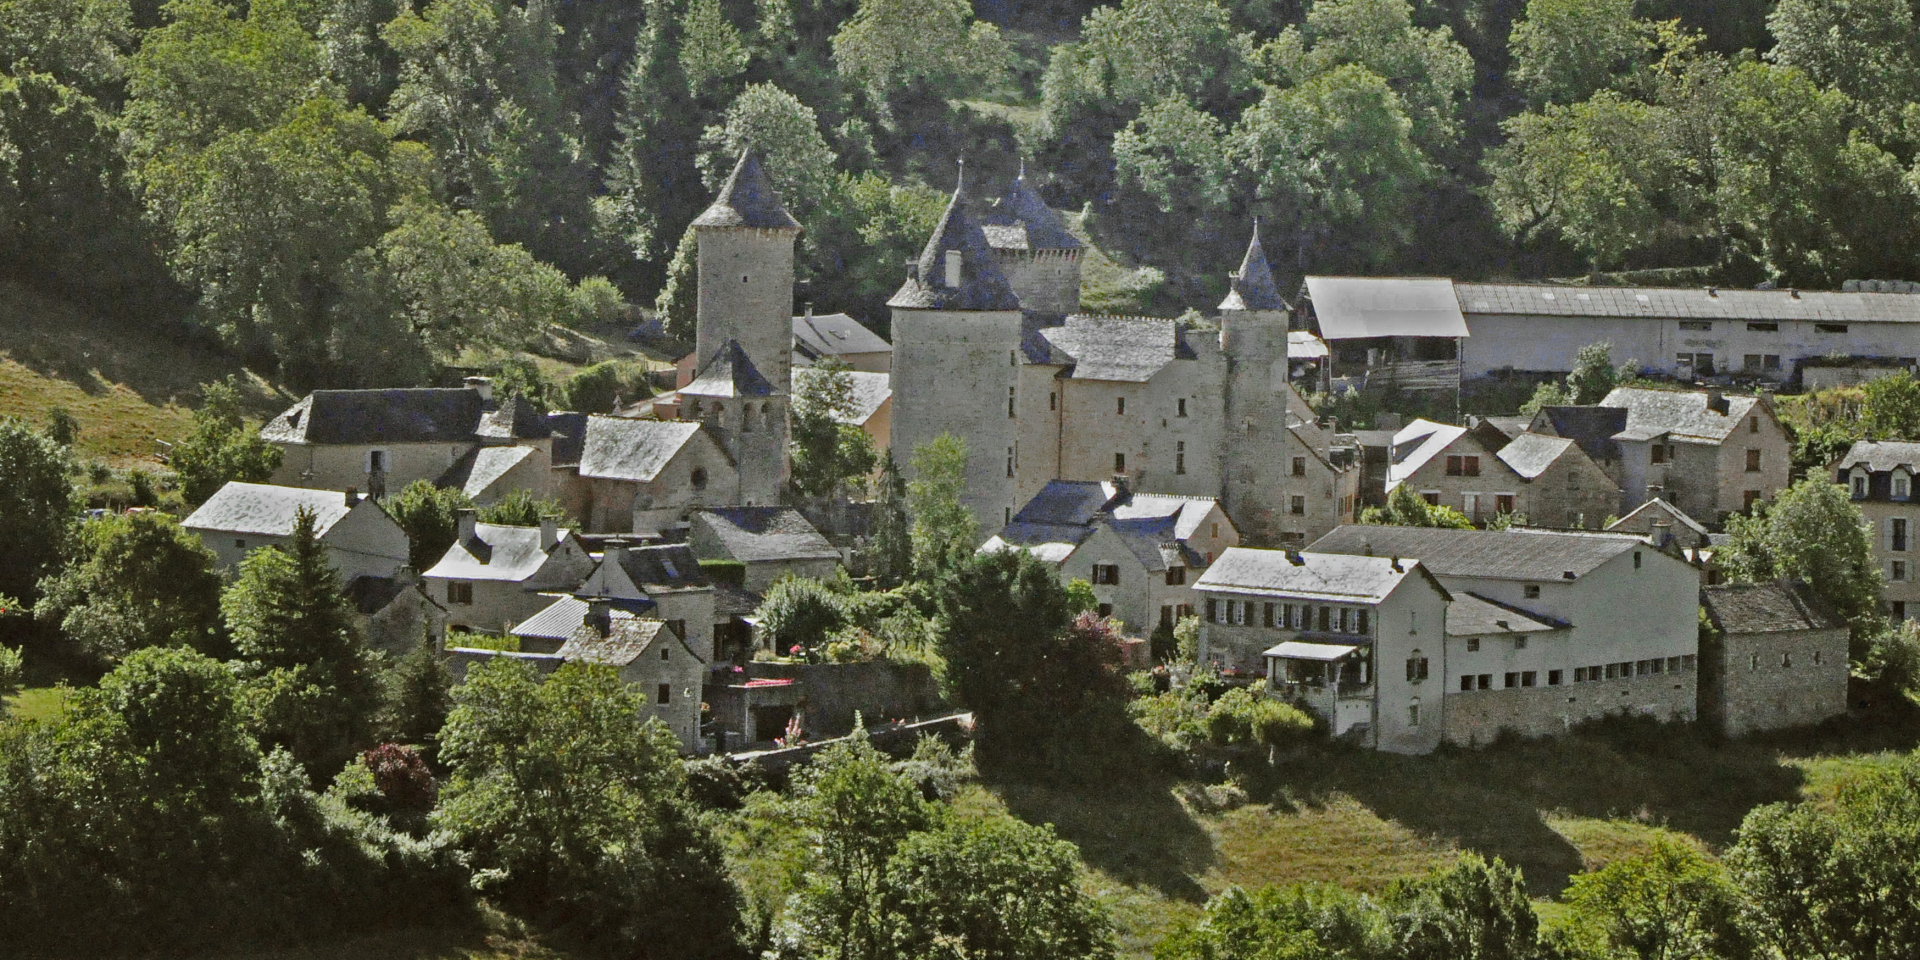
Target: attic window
{"points": [[953, 268], [699, 478], [1696, 325], [1830, 328]]}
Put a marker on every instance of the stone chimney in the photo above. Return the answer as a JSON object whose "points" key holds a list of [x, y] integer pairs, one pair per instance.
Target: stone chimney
{"points": [[482, 386], [1717, 402], [353, 497], [600, 615], [467, 516], [549, 532], [1294, 557], [1662, 532]]}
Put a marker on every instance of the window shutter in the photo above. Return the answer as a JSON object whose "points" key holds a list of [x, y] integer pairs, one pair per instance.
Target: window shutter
{"points": [[1213, 609]]}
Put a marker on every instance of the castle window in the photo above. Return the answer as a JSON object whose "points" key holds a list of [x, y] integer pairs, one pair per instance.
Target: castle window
{"points": [[1119, 463], [1180, 407], [1009, 403], [1120, 405], [1180, 456], [699, 478]]}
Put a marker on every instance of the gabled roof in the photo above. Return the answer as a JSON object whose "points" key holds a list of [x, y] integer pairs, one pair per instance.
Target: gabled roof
{"points": [[1490, 554], [1472, 615], [752, 534], [565, 614], [1079, 502], [663, 566], [1648, 510], [1312, 576], [1021, 220], [1881, 456], [728, 373], [569, 436], [263, 509], [1351, 308], [748, 199], [1593, 428], [1051, 542], [1530, 454], [481, 467], [1681, 414], [1509, 427], [1416, 444], [1766, 608], [626, 639], [1119, 349], [516, 419], [496, 552], [619, 448], [1687, 303], [870, 390], [1251, 287], [981, 285], [817, 336], [410, 415]]}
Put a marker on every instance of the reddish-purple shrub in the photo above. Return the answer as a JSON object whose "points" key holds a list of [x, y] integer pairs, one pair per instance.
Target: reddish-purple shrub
{"points": [[402, 777]]}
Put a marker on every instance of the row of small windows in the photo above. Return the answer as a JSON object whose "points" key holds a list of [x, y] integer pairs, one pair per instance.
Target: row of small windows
{"points": [[1417, 670], [1763, 326], [1786, 660], [696, 411], [1628, 669], [1292, 616]]}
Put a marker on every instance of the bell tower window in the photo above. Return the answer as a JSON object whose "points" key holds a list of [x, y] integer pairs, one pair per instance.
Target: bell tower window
{"points": [[953, 268]]}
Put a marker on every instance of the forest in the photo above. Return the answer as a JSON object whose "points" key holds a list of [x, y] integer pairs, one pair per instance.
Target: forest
{"points": [[359, 192]]}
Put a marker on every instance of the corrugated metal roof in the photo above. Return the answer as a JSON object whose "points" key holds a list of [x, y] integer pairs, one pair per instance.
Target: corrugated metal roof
{"points": [[1492, 554], [1349, 308], [1685, 303]]}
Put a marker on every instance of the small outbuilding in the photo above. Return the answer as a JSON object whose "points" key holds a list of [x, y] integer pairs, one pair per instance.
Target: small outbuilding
{"points": [[1774, 658]]}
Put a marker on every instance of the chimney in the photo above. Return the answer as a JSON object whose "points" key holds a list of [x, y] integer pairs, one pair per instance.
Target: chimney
{"points": [[1395, 563], [1120, 485], [1717, 402], [549, 532], [1294, 557], [600, 615], [353, 497], [1713, 291], [809, 309], [1793, 292], [482, 386], [466, 516]]}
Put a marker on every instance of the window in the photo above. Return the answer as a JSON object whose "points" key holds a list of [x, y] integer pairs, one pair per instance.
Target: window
{"points": [[1416, 668], [1613, 671], [1786, 661], [1485, 681], [1266, 615], [1897, 534], [1899, 609], [1553, 678], [1519, 643], [1238, 611], [1696, 325], [1413, 713], [1297, 506], [1859, 488], [1326, 619], [1659, 453], [1009, 403], [666, 694], [1103, 610], [1463, 466], [1753, 461], [1053, 400], [1531, 590], [1454, 466], [1299, 466], [1119, 463], [1216, 531], [1360, 624], [1900, 488], [1106, 573], [1009, 461], [666, 653], [1180, 407], [460, 593], [1816, 658], [1686, 662], [1176, 576], [1527, 678], [1432, 497], [1753, 424], [1166, 615], [1899, 574], [1830, 328], [1579, 674], [1503, 503], [1473, 644], [1180, 456], [1763, 327], [1750, 362], [1120, 405], [1772, 362], [1466, 683], [1511, 680], [699, 478], [376, 460], [1213, 610], [1636, 559], [239, 544], [1673, 664]]}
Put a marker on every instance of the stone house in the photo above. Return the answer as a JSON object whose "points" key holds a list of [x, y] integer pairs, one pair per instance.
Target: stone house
{"points": [[379, 441], [1597, 624], [839, 337], [1140, 551], [649, 654], [360, 538], [486, 474], [660, 581], [1775, 658], [1666, 526], [646, 476], [1879, 475], [493, 575], [872, 408], [772, 543], [1483, 474], [1349, 638]]}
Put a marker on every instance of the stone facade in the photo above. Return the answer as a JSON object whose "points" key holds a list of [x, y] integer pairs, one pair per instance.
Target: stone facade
{"points": [[1774, 659], [1046, 281], [953, 372], [1476, 719]]}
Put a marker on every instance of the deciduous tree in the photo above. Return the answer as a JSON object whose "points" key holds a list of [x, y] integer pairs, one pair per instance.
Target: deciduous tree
{"points": [[36, 506], [136, 581]]}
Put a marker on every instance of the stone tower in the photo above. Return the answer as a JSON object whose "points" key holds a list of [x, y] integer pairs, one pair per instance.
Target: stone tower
{"points": [[1038, 255], [956, 359], [1253, 338], [744, 330]]}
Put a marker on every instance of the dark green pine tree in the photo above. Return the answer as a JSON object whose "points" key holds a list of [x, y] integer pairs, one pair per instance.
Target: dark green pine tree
{"points": [[890, 548]]}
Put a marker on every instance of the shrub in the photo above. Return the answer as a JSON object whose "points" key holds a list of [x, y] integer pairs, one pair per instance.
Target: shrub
{"points": [[1177, 718], [12, 670], [1242, 717], [401, 776]]}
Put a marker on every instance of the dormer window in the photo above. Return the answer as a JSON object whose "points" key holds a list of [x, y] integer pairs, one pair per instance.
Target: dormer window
{"points": [[1902, 485], [953, 268], [1859, 484]]}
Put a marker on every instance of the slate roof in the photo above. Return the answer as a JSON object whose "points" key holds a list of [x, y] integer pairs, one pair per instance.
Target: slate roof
{"points": [[1687, 303], [834, 334], [1682, 414], [1880, 456], [1530, 454], [474, 472], [408, 415], [627, 637], [664, 566], [1251, 287], [754, 534], [1488, 554], [1318, 576], [1472, 615], [870, 390], [1766, 608], [1349, 308], [1593, 428], [748, 199], [496, 552], [1152, 526], [1120, 349], [1662, 507], [1021, 220], [619, 448], [1416, 444], [517, 419], [1509, 427], [263, 509], [1052, 542], [569, 436], [565, 614], [732, 603], [729, 373], [982, 286]]}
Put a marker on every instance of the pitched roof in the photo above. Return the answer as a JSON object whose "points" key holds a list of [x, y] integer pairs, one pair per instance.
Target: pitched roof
{"points": [[1593, 428], [620, 448], [1510, 427], [1472, 615], [728, 373], [1683, 414], [1688, 303], [496, 552], [409, 415], [1021, 220], [981, 285], [1119, 349], [816, 336], [1880, 456], [517, 419], [1052, 542], [1646, 511], [1530, 454], [1316, 576], [748, 199], [1416, 444], [1766, 608], [658, 567], [481, 467], [565, 614], [1303, 345], [569, 435], [870, 390], [1491, 554], [750, 534], [1251, 287], [1079, 502], [1348, 308], [263, 509], [627, 637]]}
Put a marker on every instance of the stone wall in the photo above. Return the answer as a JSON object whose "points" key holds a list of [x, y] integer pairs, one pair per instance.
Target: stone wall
{"points": [[1769, 681], [952, 373], [337, 467], [830, 693], [1476, 718], [746, 294], [1046, 281]]}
